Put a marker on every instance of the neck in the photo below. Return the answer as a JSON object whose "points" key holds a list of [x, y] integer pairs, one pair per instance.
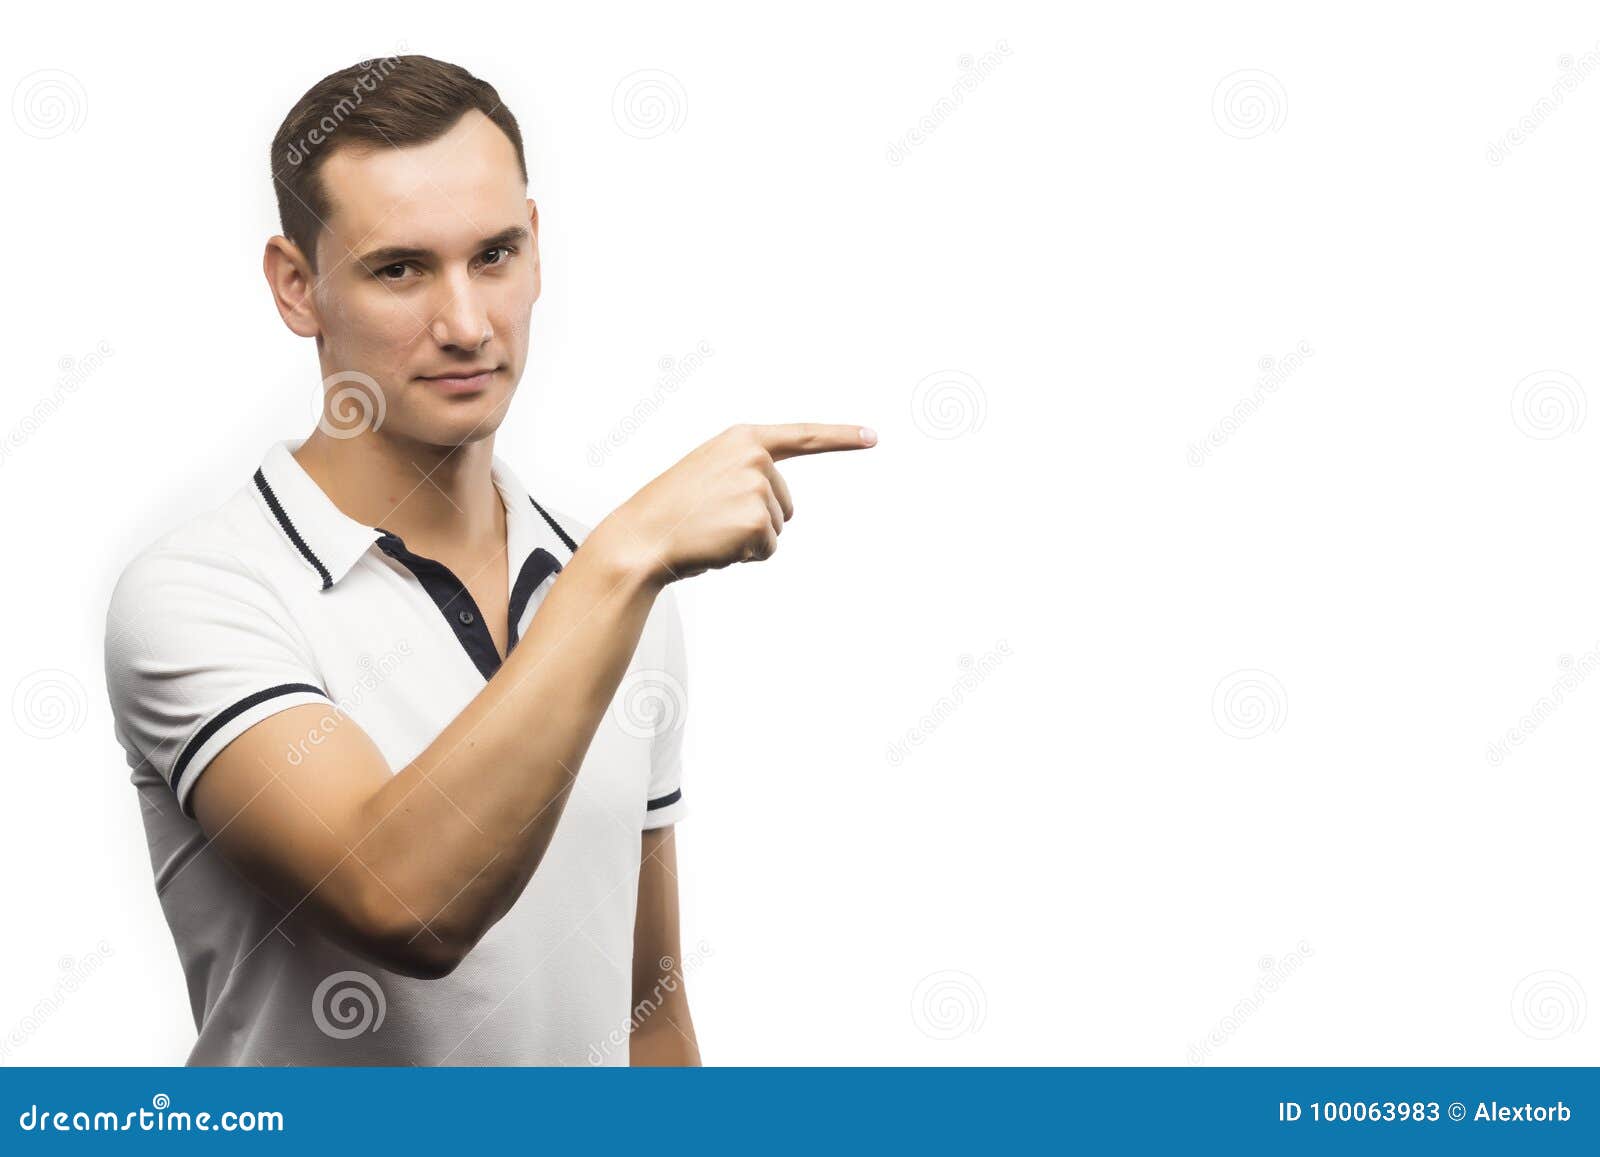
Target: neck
{"points": [[438, 499]]}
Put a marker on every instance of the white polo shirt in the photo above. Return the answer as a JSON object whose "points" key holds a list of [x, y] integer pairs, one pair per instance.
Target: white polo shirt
{"points": [[276, 599]]}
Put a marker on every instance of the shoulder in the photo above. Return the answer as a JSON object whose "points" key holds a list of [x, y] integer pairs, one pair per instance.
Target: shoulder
{"points": [[206, 571], [231, 536]]}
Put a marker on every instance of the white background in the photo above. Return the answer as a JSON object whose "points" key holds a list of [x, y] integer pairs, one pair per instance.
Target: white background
{"points": [[1115, 840]]}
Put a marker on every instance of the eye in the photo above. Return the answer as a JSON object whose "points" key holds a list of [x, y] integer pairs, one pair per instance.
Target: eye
{"points": [[395, 272], [505, 250]]}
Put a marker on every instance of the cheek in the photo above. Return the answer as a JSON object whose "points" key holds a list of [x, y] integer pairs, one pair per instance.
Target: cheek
{"points": [[527, 292], [375, 329], [516, 311]]}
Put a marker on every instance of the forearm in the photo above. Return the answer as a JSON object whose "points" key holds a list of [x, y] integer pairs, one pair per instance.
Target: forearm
{"points": [[457, 834], [665, 1037]]}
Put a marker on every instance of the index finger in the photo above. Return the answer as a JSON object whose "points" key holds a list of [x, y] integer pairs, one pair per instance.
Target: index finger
{"points": [[790, 439]]}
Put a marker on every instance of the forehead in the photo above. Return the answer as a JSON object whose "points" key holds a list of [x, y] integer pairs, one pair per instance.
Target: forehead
{"points": [[451, 191]]}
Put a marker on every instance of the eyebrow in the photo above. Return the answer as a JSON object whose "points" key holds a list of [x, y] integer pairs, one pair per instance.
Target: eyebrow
{"points": [[390, 254]]}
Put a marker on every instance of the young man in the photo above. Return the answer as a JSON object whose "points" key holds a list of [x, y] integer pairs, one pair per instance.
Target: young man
{"points": [[408, 740]]}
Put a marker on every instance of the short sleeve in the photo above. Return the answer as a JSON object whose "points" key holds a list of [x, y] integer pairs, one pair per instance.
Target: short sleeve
{"points": [[664, 803], [198, 649]]}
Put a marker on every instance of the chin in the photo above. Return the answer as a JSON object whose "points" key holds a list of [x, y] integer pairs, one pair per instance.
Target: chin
{"points": [[463, 421]]}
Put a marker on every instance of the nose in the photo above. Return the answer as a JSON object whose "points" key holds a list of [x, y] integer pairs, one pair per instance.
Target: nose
{"points": [[460, 320]]}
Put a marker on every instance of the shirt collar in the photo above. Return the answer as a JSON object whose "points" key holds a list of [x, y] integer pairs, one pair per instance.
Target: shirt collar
{"points": [[331, 542]]}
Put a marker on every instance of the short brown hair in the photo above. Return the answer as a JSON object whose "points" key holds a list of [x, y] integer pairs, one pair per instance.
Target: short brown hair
{"points": [[395, 101]]}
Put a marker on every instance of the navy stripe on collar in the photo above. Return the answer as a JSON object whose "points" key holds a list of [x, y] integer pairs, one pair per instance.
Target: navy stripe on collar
{"points": [[561, 534], [540, 565], [288, 529]]}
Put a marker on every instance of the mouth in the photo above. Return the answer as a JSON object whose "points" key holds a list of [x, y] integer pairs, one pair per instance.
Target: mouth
{"points": [[464, 382]]}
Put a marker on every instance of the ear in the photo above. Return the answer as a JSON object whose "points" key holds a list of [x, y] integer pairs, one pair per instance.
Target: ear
{"points": [[291, 280]]}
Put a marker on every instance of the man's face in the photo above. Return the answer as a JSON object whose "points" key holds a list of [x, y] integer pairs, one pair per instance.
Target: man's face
{"points": [[427, 273]]}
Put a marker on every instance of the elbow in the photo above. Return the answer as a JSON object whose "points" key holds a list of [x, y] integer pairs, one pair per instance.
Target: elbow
{"points": [[400, 942], [424, 958]]}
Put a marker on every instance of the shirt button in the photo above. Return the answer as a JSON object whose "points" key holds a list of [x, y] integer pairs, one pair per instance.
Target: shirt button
{"points": [[465, 617]]}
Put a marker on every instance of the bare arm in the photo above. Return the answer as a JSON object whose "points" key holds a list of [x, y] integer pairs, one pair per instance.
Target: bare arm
{"points": [[414, 867], [660, 1029], [410, 868]]}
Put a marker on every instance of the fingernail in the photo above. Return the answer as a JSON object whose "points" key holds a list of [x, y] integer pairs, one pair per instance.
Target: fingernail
{"points": [[868, 435]]}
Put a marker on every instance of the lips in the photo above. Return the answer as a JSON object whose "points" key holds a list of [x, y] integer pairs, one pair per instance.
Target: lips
{"points": [[467, 381]]}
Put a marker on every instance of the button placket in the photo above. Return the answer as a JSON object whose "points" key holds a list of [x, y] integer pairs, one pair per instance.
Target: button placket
{"points": [[449, 594]]}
